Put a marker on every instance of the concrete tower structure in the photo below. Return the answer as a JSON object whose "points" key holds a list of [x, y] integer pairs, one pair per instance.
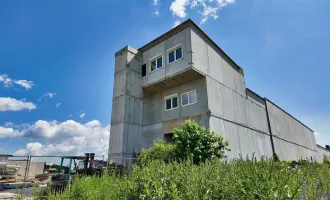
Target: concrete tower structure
{"points": [[183, 75]]}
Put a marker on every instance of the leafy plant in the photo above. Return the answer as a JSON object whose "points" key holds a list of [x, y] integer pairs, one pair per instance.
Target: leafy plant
{"points": [[199, 143], [161, 150]]}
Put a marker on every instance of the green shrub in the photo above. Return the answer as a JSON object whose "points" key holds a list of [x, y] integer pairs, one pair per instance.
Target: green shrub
{"points": [[199, 143], [214, 179], [161, 150]]}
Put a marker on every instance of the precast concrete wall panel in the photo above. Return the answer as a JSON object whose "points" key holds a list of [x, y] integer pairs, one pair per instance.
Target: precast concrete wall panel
{"points": [[134, 107], [244, 141], [254, 143], [268, 146], [152, 109], [120, 62], [278, 148], [249, 113], [215, 64], [228, 103], [239, 108], [116, 133], [134, 62], [228, 75], [256, 99], [200, 56], [183, 39], [118, 106], [232, 137], [134, 138], [321, 152], [217, 126], [239, 83], [264, 122], [214, 96], [119, 84], [201, 93], [150, 134], [134, 84]]}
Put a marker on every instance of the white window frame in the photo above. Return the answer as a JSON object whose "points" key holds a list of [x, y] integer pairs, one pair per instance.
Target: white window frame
{"points": [[155, 58], [188, 98], [171, 50], [171, 97]]}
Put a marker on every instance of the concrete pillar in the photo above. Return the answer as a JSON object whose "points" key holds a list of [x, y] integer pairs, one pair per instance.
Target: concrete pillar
{"points": [[127, 107]]}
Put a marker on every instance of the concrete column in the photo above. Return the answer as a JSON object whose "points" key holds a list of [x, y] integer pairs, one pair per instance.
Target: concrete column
{"points": [[127, 107]]}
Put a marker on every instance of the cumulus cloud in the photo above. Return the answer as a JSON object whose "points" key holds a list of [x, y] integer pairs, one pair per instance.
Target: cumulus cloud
{"points": [[155, 2], [10, 104], [9, 132], [207, 8], [8, 124], [178, 8], [82, 115], [66, 138], [9, 82]]}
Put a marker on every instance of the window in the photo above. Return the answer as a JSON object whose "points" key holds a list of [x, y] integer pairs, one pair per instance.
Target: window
{"points": [[171, 102], [175, 54], [144, 70], [156, 63], [188, 98]]}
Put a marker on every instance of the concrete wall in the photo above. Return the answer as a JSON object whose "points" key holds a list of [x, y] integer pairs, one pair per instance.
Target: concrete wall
{"points": [[127, 106], [182, 38], [35, 168], [239, 120], [292, 139], [321, 151], [157, 121], [214, 64]]}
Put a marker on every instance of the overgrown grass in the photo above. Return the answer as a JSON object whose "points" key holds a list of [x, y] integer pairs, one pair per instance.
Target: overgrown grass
{"points": [[215, 179]]}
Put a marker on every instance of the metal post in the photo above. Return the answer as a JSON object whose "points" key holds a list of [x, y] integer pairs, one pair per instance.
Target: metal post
{"points": [[25, 174], [61, 165], [69, 175], [27, 169]]}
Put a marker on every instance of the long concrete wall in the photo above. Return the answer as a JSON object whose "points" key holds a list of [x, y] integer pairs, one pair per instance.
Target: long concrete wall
{"points": [[292, 139], [321, 152]]}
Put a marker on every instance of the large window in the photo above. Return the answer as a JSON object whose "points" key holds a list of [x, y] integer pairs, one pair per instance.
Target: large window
{"points": [[175, 54], [171, 102], [156, 63], [188, 98]]}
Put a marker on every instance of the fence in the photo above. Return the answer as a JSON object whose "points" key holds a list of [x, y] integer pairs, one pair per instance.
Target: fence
{"points": [[21, 175]]}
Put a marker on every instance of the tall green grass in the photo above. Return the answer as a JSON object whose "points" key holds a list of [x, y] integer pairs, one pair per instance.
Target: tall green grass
{"points": [[215, 179]]}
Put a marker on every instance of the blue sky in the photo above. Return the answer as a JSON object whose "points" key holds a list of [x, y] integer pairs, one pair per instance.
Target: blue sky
{"points": [[57, 61]]}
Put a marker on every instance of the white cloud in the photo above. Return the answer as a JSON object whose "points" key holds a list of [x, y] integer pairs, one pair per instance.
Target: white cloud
{"points": [[155, 2], [9, 132], [8, 124], [9, 82], [10, 104], [58, 104], [176, 23], [178, 8], [66, 138], [49, 95], [82, 115], [156, 13], [208, 8]]}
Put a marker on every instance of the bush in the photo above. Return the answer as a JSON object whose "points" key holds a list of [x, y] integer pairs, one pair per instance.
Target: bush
{"points": [[197, 142], [160, 151]]}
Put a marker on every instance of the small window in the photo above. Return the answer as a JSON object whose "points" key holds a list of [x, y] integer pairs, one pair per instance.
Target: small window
{"points": [[156, 63], [188, 98], [171, 102], [175, 54], [144, 70]]}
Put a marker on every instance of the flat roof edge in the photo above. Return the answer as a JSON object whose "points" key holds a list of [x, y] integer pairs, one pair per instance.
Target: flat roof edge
{"points": [[288, 114], [180, 27]]}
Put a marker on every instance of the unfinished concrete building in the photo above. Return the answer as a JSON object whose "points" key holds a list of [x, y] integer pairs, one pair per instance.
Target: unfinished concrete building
{"points": [[183, 75]]}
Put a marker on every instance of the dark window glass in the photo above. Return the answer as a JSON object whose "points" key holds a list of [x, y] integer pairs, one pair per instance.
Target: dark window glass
{"points": [[144, 70], [185, 99], [159, 62], [178, 53], [168, 137], [153, 65], [192, 97], [171, 57], [175, 102], [168, 104]]}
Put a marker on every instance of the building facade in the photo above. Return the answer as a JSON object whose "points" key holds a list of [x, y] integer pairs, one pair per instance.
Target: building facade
{"points": [[184, 75]]}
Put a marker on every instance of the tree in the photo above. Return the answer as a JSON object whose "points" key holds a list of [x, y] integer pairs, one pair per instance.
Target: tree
{"points": [[197, 142]]}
